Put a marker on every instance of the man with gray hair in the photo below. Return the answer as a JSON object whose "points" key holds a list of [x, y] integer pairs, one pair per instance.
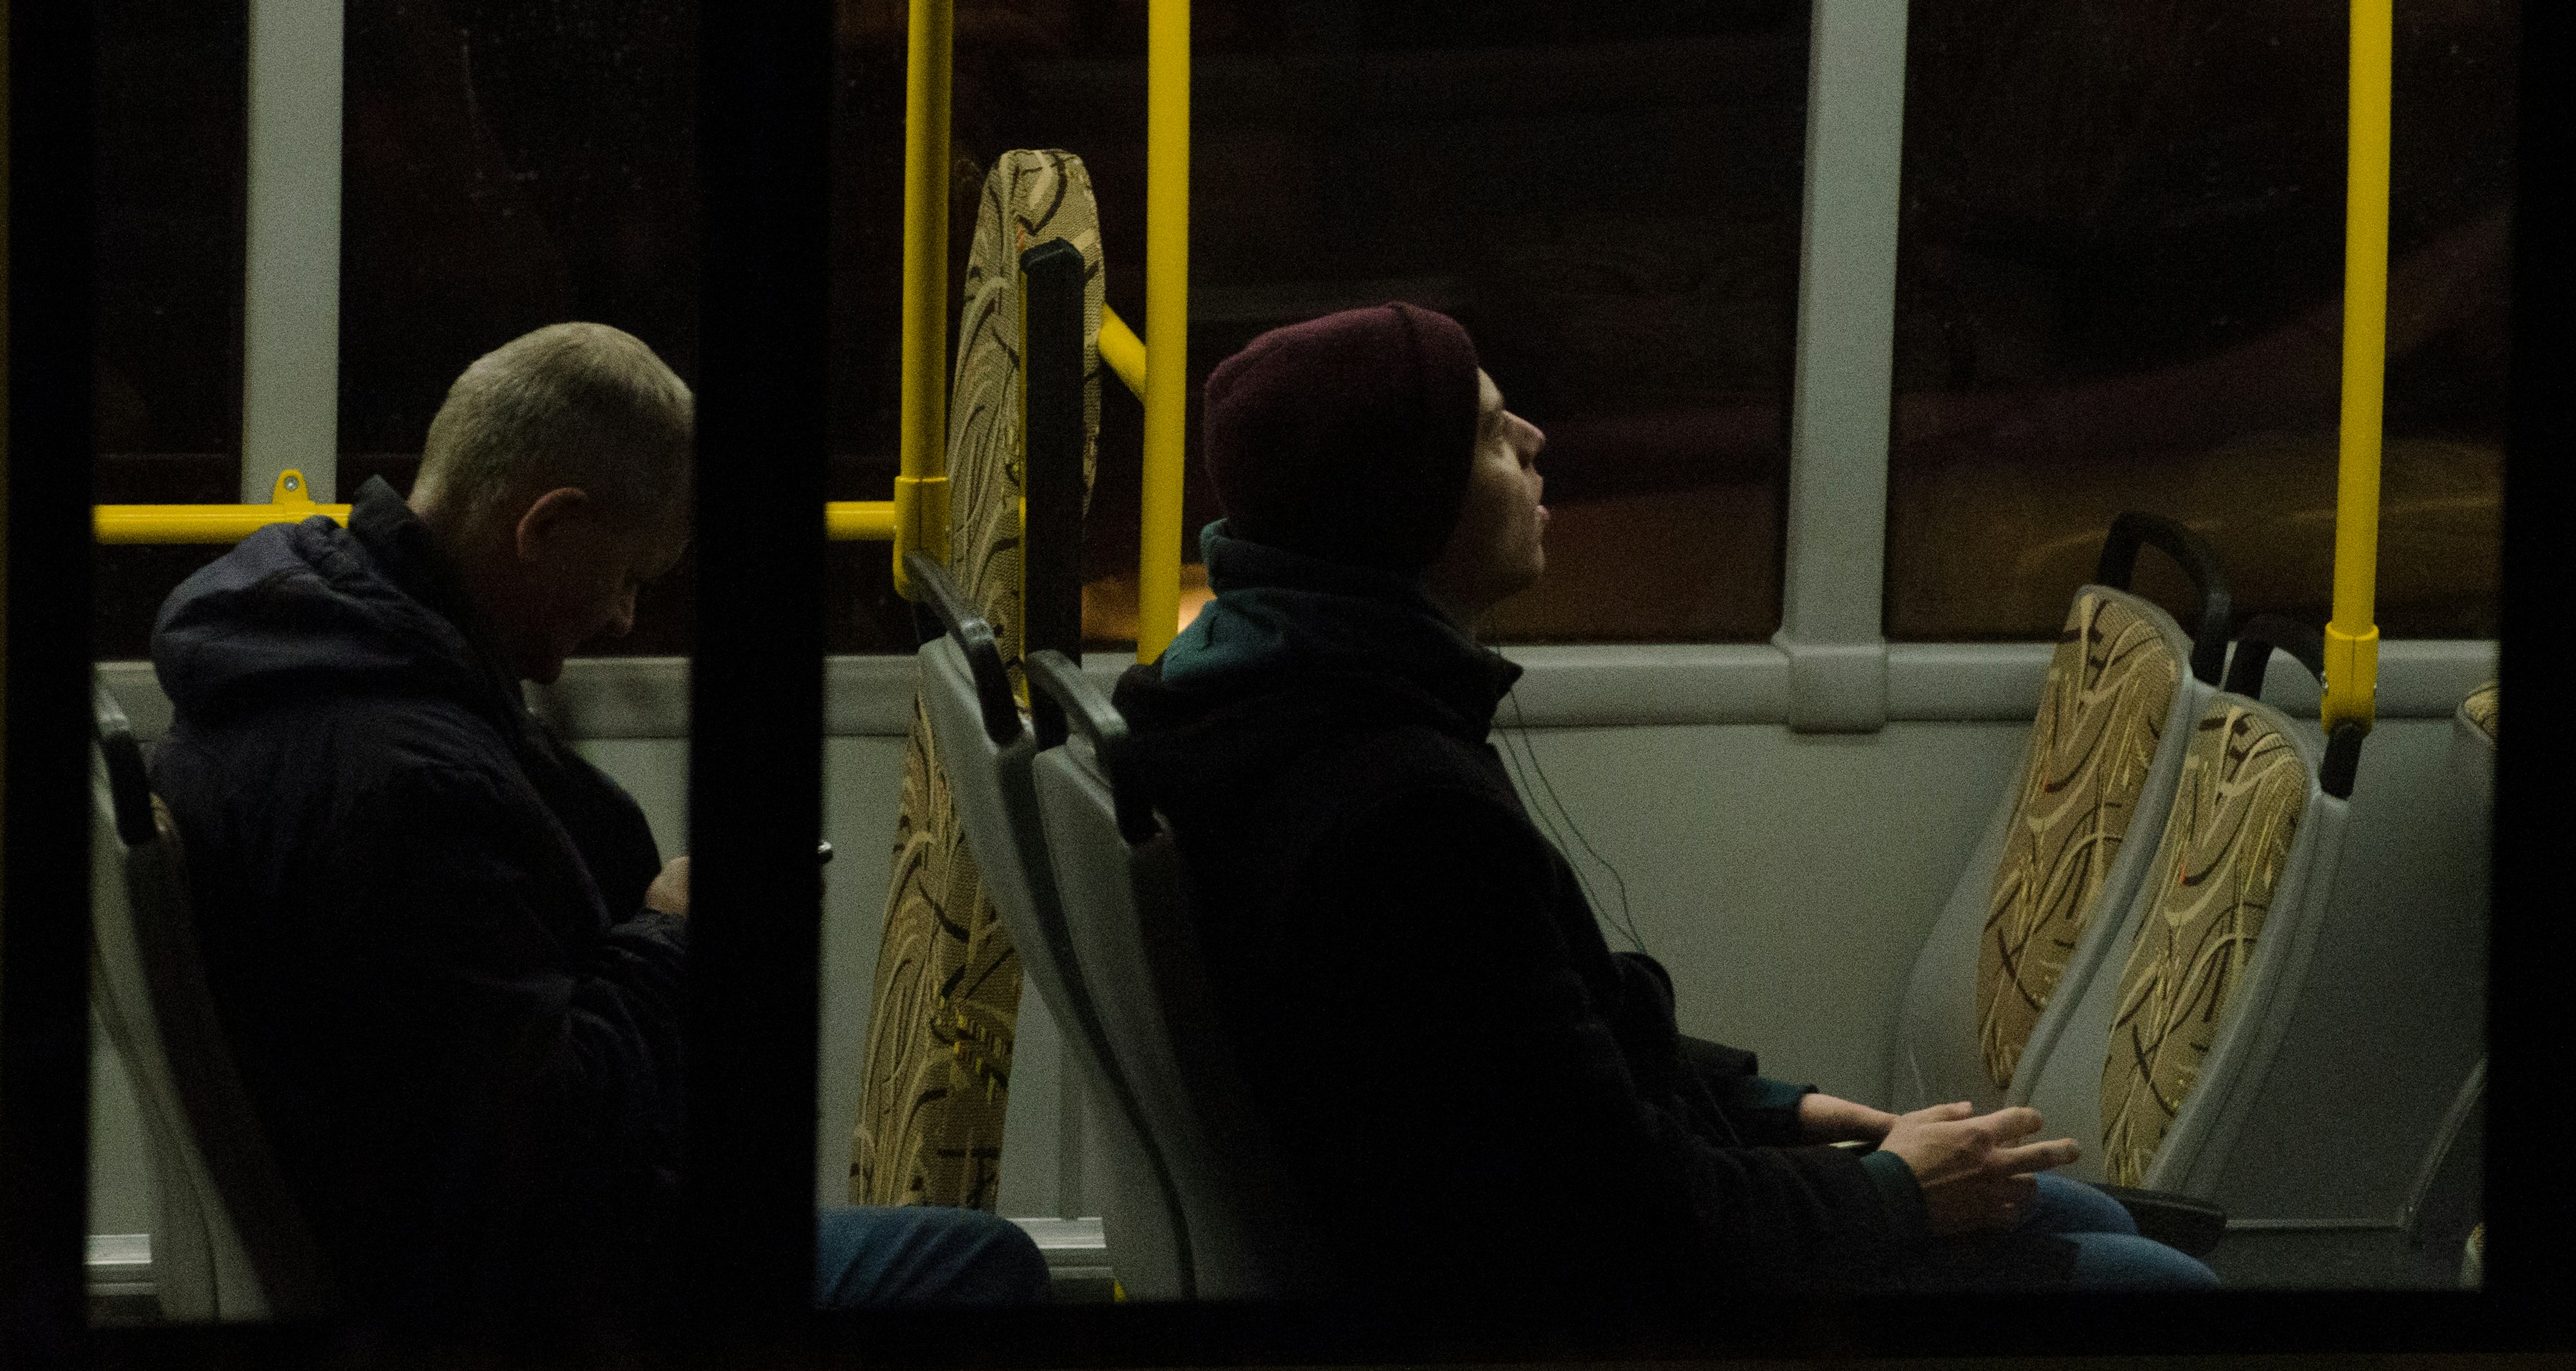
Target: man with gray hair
{"points": [[446, 949]]}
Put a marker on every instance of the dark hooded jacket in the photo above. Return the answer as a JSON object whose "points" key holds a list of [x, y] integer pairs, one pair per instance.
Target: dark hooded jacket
{"points": [[1476, 1099], [423, 921]]}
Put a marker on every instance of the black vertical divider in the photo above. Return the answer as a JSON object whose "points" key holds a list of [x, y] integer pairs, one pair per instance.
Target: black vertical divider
{"points": [[756, 683], [2528, 1265], [44, 903], [1051, 373]]}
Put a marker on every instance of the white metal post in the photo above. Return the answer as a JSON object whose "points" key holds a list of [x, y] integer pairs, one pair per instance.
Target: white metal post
{"points": [[1838, 431], [291, 289]]}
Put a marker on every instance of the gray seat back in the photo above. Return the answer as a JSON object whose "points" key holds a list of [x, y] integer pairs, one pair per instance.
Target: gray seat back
{"points": [[2031, 920], [985, 746], [1136, 946], [2449, 1195], [231, 1241]]}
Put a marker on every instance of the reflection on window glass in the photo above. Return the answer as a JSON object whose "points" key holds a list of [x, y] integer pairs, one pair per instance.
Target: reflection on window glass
{"points": [[2120, 285], [1606, 195], [169, 279]]}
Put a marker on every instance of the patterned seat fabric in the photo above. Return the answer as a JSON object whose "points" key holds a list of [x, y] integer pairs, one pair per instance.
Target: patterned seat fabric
{"points": [[2110, 685], [2244, 788], [945, 1016], [2480, 708]]}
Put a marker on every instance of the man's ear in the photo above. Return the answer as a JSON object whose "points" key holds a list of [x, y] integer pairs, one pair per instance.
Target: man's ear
{"points": [[545, 517]]}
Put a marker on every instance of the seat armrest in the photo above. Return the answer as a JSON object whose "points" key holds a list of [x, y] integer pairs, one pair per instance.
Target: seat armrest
{"points": [[2187, 1225]]}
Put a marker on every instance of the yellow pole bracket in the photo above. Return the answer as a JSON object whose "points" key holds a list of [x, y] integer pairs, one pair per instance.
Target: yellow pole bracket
{"points": [[1123, 351], [290, 501], [2352, 635]]}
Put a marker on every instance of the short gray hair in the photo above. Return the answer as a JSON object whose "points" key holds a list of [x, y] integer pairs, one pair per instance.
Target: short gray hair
{"points": [[569, 405]]}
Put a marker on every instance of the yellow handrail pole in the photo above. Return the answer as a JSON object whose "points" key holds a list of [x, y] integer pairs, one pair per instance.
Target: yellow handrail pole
{"points": [[1123, 351], [2352, 635], [921, 490], [1167, 322]]}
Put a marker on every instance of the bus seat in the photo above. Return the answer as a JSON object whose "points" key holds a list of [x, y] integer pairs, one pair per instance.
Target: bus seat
{"points": [[2025, 930], [2163, 1064], [2445, 1209], [1136, 947], [229, 1241], [985, 746], [2449, 1196]]}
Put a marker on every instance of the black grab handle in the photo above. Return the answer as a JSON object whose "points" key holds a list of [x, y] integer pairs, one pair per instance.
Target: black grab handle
{"points": [[2254, 645], [1090, 714], [2198, 560], [958, 619]]}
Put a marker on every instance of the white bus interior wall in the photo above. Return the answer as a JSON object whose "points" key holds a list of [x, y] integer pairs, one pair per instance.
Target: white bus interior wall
{"points": [[1787, 879]]}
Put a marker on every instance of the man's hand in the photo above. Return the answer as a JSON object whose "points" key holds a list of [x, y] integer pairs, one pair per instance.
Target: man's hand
{"points": [[1975, 1172], [670, 890], [1826, 1119]]}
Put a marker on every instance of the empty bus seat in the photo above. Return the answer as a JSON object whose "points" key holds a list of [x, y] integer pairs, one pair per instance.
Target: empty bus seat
{"points": [[985, 747], [229, 1241], [1136, 948], [2162, 1066], [2026, 928]]}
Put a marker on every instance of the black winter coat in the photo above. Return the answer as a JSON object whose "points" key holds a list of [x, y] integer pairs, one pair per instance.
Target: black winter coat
{"points": [[1478, 1100], [423, 922]]}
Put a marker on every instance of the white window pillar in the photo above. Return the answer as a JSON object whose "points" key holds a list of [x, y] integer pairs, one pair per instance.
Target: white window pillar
{"points": [[291, 287], [1834, 586]]}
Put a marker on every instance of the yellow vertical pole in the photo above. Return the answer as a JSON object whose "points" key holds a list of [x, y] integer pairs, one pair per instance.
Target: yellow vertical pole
{"points": [[1167, 322], [2352, 635], [921, 490]]}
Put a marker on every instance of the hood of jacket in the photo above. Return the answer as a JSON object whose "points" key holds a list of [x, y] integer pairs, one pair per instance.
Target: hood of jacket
{"points": [[374, 608], [1295, 650]]}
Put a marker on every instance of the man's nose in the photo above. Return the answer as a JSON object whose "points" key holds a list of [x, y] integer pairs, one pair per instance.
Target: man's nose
{"points": [[621, 620], [1532, 440]]}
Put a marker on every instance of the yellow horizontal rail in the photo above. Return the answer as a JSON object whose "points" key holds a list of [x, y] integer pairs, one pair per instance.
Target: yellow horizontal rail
{"points": [[1123, 351], [202, 523], [859, 521], [844, 521]]}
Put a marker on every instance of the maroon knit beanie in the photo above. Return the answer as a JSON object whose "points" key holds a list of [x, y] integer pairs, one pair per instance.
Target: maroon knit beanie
{"points": [[1347, 437]]}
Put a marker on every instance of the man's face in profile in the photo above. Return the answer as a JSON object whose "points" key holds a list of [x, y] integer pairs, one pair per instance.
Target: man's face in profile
{"points": [[584, 563], [1498, 547]]}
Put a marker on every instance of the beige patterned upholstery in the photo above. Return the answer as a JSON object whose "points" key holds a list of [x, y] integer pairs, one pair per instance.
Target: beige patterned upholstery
{"points": [[946, 1008], [2110, 686], [2244, 788], [2480, 710]]}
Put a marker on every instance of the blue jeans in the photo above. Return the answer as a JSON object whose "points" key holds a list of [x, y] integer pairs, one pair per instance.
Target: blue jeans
{"points": [[923, 1254], [2108, 1253]]}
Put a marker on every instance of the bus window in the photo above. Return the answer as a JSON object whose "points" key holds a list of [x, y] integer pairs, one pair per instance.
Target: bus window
{"points": [[169, 167], [1606, 195], [2120, 282], [507, 167]]}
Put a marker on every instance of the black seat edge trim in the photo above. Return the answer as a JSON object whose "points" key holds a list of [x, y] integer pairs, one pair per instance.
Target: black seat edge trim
{"points": [[2343, 760], [1089, 713], [974, 637], [2198, 560], [129, 788]]}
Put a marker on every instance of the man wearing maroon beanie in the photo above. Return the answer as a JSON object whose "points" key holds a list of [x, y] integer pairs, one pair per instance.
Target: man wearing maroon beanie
{"points": [[1466, 1095]]}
